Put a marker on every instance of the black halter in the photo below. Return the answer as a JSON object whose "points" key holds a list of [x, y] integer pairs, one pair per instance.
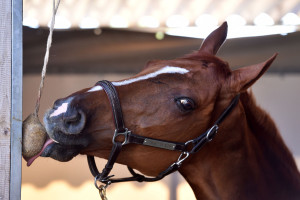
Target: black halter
{"points": [[187, 148]]}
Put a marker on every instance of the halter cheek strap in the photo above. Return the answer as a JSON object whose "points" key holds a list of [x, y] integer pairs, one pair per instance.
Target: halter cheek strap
{"points": [[187, 148], [113, 98]]}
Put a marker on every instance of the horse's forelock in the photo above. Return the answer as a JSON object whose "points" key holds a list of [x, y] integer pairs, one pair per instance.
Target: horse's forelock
{"points": [[223, 66]]}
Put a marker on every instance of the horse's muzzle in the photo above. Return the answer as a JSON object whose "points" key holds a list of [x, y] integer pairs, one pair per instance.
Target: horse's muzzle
{"points": [[65, 118]]}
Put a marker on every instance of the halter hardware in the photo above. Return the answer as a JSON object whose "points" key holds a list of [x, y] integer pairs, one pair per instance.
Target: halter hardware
{"points": [[125, 134], [183, 156], [212, 132], [186, 149]]}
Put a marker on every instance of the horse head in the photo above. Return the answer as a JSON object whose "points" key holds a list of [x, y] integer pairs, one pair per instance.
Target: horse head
{"points": [[174, 100]]}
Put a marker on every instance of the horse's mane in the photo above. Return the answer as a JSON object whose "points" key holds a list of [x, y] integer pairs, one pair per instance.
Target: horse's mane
{"points": [[269, 138]]}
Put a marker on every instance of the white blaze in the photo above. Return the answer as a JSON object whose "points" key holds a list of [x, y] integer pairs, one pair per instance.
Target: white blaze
{"points": [[95, 88], [165, 70], [60, 110]]}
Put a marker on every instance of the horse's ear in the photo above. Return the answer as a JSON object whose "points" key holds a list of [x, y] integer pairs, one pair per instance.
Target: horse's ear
{"points": [[215, 40], [241, 79]]}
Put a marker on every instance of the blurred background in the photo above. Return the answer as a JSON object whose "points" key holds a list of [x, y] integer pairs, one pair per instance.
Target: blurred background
{"points": [[113, 39]]}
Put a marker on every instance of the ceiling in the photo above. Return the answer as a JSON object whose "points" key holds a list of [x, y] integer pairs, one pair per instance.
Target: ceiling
{"points": [[92, 40], [162, 13], [123, 51]]}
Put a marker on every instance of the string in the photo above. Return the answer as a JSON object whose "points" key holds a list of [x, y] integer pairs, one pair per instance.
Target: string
{"points": [[46, 57]]}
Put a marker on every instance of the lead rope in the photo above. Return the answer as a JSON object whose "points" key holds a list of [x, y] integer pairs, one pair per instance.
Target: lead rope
{"points": [[46, 57], [102, 192], [102, 189]]}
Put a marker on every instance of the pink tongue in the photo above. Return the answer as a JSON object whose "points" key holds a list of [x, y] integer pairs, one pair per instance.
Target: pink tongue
{"points": [[30, 160]]}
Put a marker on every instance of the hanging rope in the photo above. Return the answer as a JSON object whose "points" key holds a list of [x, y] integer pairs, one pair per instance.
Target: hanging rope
{"points": [[46, 58]]}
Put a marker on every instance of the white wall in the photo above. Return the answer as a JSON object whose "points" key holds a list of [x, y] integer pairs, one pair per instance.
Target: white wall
{"points": [[280, 96]]}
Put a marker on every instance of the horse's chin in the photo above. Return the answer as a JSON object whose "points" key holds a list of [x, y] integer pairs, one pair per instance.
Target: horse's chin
{"points": [[61, 153]]}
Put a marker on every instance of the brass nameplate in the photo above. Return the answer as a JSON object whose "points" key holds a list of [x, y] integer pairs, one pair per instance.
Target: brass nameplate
{"points": [[159, 144]]}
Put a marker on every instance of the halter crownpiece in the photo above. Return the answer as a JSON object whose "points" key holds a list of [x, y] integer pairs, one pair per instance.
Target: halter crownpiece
{"points": [[186, 149]]}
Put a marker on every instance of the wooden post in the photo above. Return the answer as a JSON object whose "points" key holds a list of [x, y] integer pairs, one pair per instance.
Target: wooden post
{"points": [[5, 96], [10, 98]]}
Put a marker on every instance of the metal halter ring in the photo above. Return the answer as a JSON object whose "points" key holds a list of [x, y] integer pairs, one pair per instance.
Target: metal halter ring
{"points": [[101, 186], [212, 132]]}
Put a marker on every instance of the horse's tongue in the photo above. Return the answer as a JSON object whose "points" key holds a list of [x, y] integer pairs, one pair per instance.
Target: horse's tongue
{"points": [[30, 160]]}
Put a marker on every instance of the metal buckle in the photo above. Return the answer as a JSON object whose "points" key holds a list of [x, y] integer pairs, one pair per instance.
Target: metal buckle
{"points": [[184, 155], [212, 132], [125, 134]]}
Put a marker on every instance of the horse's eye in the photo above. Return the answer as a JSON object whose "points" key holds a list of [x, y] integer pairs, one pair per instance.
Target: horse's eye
{"points": [[185, 104], [205, 64]]}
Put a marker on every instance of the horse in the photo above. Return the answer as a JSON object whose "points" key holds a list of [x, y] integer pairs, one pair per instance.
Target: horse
{"points": [[176, 105]]}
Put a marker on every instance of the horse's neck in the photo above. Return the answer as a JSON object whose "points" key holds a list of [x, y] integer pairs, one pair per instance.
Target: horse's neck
{"points": [[247, 160]]}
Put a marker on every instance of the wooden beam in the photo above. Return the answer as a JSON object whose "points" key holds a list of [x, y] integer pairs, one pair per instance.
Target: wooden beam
{"points": [[5, 97]]}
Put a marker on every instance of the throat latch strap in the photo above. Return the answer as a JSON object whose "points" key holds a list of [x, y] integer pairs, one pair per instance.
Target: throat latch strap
{"points": [[200, 141]]}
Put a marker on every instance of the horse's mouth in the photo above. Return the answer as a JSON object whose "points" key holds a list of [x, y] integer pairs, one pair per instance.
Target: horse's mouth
{"points": [[56, 151], [60, 152], [59, 145]]}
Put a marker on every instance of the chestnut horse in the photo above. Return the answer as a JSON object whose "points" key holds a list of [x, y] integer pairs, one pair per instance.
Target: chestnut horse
{"points": [[178, 100]]}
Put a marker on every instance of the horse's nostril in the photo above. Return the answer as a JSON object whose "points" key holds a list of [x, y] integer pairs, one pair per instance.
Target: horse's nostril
{"points": [[72, 119], [74, 122]]}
